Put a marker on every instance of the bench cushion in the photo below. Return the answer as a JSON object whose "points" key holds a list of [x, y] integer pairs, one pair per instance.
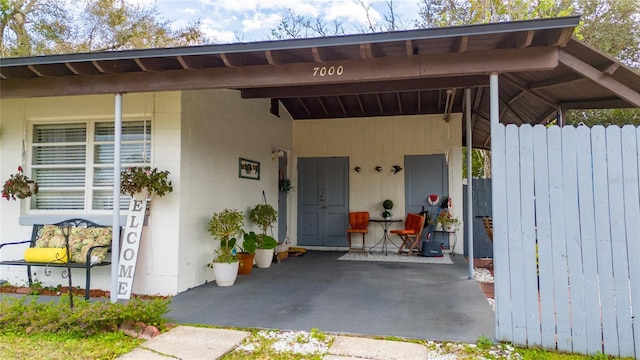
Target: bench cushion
{"points": [[46, 255], [80, 241]]}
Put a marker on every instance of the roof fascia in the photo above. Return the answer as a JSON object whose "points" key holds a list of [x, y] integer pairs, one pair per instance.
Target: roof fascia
{"points": [[344, 40]]}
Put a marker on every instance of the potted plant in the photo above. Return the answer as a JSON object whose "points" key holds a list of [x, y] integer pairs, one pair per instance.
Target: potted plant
{"points": [[224, 226], [264, 215], [19, 186], [247, 253], [144, 181], [446, 222], [387, 205]]}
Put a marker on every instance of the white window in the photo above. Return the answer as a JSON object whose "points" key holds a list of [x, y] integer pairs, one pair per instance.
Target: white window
{"points": [[73, 163]]}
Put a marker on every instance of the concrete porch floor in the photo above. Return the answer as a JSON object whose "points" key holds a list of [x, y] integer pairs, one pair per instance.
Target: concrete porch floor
{"points": [[422, 301]]}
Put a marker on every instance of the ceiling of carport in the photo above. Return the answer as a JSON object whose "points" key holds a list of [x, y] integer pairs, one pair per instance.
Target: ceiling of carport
{"points": [[543, 71]]}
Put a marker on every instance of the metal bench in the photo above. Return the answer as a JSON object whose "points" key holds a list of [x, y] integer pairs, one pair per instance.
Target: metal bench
{"points": [[68, 265]]}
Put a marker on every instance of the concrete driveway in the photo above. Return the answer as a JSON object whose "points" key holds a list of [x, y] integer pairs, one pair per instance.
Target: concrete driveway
{"points": [[422, 301]]}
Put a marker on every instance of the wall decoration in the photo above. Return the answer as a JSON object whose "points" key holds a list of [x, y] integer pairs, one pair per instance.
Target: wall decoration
{"points": [[357, 169], [249, 169], [379, 168], [396, 169]]}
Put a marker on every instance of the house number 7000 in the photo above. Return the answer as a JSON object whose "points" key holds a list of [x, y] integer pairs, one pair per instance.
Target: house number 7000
{"points": [[331, 70]]}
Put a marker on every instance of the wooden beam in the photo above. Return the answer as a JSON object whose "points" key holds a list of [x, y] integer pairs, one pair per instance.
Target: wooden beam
{"points": [[304, 106], [462, 44], [370, 51], [85, 68], [344, 110], [611, 69], [232, 60], [149, 64], [600, 78], [379, 104], [524, 38], [366, 88], [274, 57], [399, 99], [324, 108], [345, 71], [614, 103], [559, 37], [360, 103], [109, 66], [191, 62], [408, 44], [35, 71], [556, 81], [319, 54], [519, 84]]}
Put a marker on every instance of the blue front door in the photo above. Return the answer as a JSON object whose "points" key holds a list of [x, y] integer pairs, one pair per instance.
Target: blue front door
{"points": [[323, 201]]}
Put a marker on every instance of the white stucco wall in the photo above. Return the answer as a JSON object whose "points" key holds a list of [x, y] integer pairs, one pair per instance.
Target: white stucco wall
{"points": [[198, 136], [218, 128], [384, 141], [156, 271]]}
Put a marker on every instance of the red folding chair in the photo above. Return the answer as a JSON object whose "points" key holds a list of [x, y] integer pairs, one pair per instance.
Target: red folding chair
{"points": [[410, 235]]}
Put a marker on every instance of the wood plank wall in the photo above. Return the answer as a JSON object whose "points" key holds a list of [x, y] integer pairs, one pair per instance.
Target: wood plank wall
{"points": [[566, 216]]}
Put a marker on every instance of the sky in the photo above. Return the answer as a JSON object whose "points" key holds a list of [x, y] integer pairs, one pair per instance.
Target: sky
{"points": [[226, 21]]}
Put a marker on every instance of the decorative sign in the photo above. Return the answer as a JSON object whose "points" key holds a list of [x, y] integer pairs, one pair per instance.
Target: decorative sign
{"points": [[130, 246], [249, 169]]}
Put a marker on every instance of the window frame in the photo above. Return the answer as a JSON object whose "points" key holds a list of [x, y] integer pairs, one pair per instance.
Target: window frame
{"points": [[90, 164]]}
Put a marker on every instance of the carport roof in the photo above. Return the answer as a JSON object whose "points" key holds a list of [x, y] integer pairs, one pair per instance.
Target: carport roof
{"points": [[543, 71]]}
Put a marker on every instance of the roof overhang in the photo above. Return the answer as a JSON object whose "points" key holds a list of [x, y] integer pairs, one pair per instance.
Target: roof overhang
{"points": [[543, 71]]}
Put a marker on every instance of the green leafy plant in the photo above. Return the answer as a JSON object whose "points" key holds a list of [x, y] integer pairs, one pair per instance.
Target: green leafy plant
{"points": [[445, 218], [387, 204], [258, 241], [249, 243], [263, 215], [224, 226], [139, 179], [19, 186], [484, 342]]}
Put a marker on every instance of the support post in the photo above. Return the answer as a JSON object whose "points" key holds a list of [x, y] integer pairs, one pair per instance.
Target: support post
{"points": [[115, 223], [469, 222]]}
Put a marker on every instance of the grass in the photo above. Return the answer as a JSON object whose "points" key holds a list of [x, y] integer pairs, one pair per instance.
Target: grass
{"points": [[60, 346]]}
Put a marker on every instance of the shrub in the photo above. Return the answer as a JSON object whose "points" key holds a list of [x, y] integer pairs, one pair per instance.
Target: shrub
{"points": [[26, 316]]}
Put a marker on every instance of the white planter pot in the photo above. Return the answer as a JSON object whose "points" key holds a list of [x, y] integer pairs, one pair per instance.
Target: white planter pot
{"points": [[225, 274], [438, 226], [264, 257], [450, 228]]}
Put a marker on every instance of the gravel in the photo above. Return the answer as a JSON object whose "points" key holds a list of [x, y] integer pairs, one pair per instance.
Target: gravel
{"points": [[318, 344], [483, 275]]}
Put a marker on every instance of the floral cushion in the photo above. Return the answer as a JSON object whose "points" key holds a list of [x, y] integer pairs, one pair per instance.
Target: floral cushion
{"points": [[80, 241]]}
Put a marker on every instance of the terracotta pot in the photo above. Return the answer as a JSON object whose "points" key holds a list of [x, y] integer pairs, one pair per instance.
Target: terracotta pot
{"points": [[246, 263]]}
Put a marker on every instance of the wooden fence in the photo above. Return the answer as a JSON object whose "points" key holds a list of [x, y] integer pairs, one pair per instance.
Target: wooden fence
{"points": [[566, 216]]}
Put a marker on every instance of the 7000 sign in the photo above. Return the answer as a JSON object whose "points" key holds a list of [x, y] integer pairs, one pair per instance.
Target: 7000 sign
{"points": [[328, 70]]}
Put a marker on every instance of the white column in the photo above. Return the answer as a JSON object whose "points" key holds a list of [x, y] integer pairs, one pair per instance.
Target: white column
{"points": [[115, 243], [469, 223], [495, 102]]}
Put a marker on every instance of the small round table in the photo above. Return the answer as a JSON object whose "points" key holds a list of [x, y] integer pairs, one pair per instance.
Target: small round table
{"points": [[386, 224]]}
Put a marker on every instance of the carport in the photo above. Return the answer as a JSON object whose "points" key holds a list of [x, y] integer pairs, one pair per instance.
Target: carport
{"points": [[542, 72]]}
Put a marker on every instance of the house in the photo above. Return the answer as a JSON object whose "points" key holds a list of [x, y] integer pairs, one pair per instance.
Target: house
{"points": [[307, 110]]}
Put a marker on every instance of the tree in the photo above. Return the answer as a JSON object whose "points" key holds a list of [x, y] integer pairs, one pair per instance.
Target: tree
{"points": [[40, 27]]}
